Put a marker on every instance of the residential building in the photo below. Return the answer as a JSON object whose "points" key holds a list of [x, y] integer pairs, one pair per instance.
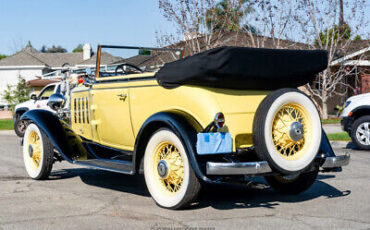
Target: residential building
{"points": [[31, 64]]}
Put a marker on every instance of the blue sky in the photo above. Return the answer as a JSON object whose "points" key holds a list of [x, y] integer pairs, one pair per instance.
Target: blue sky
{"points": [[68, 23]]}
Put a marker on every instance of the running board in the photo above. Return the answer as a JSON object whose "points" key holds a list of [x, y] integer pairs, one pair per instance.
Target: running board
{"points": [[108, 165]]}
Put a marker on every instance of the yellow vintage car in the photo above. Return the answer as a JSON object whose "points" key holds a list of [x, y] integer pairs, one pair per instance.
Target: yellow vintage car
{"points": [[220, 116]]}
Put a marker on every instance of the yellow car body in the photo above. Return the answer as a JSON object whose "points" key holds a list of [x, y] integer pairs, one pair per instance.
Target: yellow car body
{"points": [[178, 136], [119, 106]]}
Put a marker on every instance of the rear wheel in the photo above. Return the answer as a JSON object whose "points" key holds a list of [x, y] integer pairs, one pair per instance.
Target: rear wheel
{"points": [[168, 174], [292, 184], [287, 131], [38, 154], [361, 133]]}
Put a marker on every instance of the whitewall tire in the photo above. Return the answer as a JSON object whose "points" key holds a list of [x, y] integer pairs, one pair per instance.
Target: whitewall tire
{"points": [[287, 131], [168, 174], [38, 153]]}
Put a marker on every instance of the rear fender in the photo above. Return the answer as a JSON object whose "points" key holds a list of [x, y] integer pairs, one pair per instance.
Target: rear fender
{"points": [[180, 126], [69, 145], [325, 146]]}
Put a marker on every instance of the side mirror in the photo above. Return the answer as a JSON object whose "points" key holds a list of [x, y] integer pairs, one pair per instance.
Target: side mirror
{"points": [[33, 96], [56, 101]]}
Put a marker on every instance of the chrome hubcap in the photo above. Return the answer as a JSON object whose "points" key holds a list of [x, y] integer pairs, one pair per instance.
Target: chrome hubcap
{"points": [[296, 131], [163, 169], [30, 150], [363, 133]]}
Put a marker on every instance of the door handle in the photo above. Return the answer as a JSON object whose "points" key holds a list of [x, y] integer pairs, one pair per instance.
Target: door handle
{"points": [[122, 96]]}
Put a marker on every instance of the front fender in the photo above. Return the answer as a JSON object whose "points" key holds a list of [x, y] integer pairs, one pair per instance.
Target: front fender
{"points": [[69, 145], [180, 126]]}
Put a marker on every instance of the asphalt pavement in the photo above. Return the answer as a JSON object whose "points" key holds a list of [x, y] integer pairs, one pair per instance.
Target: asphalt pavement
{"points": [[82, 198]]}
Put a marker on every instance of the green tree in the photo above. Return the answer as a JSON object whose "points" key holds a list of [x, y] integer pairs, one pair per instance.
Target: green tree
{"points": [[14, 95], [53, 49], [78, 49], [227, 16], [2, 56], [335, 34]]}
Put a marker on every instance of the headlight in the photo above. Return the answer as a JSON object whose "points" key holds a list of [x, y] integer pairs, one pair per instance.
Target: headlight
{"points": [[347, 104]]}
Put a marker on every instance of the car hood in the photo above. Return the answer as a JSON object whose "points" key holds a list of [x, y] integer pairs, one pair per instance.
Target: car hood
{"points": [[23, 104], [359, 97]]}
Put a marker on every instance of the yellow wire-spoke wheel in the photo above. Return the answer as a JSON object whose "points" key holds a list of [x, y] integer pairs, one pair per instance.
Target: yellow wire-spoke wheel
{"points": [[168, 167], [291, 131], [38, 153], [34, 149]]}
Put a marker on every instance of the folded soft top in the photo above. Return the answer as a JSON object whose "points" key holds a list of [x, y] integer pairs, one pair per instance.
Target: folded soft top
{"points": [[244, 68]]}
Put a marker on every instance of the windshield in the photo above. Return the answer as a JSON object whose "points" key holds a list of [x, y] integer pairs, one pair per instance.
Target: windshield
{"points": [[117, 60], [47, 92]]}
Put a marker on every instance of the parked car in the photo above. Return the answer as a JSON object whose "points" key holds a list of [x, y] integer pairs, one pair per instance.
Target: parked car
{"points": [[216, 117], [356, 120], [36, 102]]}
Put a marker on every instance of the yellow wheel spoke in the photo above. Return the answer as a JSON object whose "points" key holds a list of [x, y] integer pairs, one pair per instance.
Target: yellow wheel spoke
{"points": [[170, 154], [281, 125], [34, 143]]}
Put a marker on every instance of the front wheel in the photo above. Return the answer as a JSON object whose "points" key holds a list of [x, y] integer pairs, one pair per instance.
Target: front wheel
{"points": [[360, 133], [168, 174], [20, 126], [38, 154], [292, 184]]}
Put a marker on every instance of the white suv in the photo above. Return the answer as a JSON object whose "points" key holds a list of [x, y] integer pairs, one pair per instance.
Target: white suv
{"points": [[36, 102], [356, 120]]}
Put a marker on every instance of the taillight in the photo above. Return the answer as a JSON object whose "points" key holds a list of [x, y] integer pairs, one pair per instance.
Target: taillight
{"points": [[219, 120]]}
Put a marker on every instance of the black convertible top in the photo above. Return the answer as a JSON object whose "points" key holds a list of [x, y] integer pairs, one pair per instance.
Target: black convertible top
{"points": [[245, 68]]}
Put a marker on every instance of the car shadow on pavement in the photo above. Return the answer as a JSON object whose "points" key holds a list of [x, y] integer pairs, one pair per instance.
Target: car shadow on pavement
{"points": [[255, 193], [104, 179], [259, 194], [352, 146]]}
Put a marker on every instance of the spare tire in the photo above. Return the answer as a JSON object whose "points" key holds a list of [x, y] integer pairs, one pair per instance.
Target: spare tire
{"points": [[287, 131]]}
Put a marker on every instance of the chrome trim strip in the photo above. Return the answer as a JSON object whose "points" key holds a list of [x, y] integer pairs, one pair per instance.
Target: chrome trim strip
{"points": [[240, 168], [337, 161], [101, 80], [124, 87]]}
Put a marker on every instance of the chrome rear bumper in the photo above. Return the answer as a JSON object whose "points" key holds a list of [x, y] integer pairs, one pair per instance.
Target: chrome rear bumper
{"points": [[261, 167], [240, 168], [337, 161]]}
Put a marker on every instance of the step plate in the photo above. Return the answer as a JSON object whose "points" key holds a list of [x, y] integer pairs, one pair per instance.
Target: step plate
{"points": [[108, 165]]}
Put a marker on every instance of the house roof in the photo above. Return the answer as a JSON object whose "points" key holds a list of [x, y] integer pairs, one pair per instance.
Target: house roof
{"points": [[59, 59], [357, 45], [105, 59], [25, 57], [40, 82], [139, 59], [29, 56], [22, 59], [350, 56]]}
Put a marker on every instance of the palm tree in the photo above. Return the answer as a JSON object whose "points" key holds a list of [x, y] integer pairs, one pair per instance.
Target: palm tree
{"points": [[227, 15]]}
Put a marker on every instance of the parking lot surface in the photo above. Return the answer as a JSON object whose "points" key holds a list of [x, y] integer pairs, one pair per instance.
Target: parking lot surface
{"points": [[81, 198]]}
